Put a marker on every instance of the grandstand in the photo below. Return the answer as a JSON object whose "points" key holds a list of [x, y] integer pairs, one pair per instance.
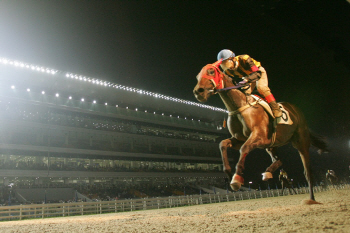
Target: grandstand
{"points": [[65, 130]]}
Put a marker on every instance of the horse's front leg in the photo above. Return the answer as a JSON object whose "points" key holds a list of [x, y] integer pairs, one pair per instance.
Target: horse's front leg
{"points": [[254, 141], [276, 163], [224, 144]]}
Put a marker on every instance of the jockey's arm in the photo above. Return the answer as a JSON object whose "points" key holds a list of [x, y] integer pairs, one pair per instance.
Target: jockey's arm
{"points": [[253, 77], [255, 74]]}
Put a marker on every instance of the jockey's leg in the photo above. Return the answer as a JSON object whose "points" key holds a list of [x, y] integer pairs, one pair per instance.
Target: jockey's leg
{"points": [[277, 112], [264, 90], [224, 144], [276, 163]]}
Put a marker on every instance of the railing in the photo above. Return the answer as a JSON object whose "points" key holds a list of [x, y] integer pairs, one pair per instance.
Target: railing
{"points": [[35, 211]]}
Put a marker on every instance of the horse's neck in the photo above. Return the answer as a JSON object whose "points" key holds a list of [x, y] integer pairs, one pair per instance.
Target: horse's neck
{"points": [[233, 99]]}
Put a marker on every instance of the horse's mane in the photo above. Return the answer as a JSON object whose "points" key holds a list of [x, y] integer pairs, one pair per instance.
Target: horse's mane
{"points": [[230, 80]]}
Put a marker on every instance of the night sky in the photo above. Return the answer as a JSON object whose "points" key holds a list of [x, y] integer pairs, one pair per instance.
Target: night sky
{"points": [[161, 46]]}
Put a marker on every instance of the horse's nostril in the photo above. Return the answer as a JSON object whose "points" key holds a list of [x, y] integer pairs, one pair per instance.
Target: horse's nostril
{"points": [[199, 90]]}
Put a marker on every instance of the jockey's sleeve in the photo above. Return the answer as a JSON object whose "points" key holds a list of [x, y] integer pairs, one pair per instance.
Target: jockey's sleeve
{"points": [[252, 65], [230, 74], [253, 77]]}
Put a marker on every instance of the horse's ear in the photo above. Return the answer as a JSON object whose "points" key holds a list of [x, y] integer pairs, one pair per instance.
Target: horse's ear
{"points": [[217, 64]]}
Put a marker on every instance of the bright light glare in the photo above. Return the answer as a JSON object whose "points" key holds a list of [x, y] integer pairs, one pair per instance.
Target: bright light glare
{"points": [[14, 63]]}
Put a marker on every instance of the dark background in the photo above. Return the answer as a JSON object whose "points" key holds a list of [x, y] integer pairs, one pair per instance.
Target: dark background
{"points": [[160, 46]]}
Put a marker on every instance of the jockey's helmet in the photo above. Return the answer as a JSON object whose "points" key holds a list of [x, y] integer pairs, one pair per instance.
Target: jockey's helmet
{"points": [[225, 54]]}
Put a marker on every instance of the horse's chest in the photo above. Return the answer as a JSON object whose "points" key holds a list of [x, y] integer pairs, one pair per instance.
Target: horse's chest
{"points": [[238, 128]]}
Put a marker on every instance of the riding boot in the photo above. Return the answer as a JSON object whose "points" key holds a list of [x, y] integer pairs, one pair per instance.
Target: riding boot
{"points": [[275, 109]]}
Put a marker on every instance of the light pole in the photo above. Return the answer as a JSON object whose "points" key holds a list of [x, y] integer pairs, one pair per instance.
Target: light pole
{"points": [[249, 185]]}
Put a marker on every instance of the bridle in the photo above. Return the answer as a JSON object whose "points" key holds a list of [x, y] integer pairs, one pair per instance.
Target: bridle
{"points": [[218, 81]]}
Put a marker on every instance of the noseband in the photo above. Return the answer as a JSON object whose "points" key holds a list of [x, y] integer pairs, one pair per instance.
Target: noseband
{"points": [[217, 80]]}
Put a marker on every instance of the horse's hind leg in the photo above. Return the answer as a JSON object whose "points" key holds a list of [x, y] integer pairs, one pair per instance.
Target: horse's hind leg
{"points": [[224, 144], [302, 143], [276, 163]]}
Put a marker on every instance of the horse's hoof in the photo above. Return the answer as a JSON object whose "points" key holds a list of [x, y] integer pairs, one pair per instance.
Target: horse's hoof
{"points": [[237, 178], [235, 186], [266, 176], [309, 202], [236, 182]]}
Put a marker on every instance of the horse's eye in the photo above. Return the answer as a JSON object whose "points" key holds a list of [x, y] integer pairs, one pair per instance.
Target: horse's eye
{"points": [[211, 72]]}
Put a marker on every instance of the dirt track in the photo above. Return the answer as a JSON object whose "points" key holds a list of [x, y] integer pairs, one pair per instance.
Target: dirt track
{"points": [[278, 214]]}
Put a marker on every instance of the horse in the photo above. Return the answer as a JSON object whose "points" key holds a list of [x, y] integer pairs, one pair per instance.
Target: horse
{"points": [[331, 177], [286, 182], [251, 127]]}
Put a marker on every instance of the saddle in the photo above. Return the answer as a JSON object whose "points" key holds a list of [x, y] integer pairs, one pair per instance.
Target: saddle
{"points": [[285, 119]]}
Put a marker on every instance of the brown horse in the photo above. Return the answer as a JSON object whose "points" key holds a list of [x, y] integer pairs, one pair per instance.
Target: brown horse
{"points": [[331, 178], [251, 127], [286, 182]]}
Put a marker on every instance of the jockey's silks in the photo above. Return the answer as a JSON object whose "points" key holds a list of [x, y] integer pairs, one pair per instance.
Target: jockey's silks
{"points": [[270, 98], [245, 66]]}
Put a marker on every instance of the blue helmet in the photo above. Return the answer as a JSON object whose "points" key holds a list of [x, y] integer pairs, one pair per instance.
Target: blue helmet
{"points": [[225, 54]]}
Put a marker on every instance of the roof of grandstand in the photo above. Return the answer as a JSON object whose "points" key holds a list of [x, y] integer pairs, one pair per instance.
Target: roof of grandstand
{"points": [[24, 77]]}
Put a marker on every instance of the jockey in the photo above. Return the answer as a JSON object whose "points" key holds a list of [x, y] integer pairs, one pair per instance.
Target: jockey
{"points": [[330, 172], [283, 173], [251, 71]]}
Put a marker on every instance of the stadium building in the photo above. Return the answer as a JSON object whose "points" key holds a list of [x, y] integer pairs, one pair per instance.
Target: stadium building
{"points": [[60, 129]]}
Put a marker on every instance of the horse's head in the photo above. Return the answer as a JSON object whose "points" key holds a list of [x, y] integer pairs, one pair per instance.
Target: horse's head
{"points": [[209, 79]]}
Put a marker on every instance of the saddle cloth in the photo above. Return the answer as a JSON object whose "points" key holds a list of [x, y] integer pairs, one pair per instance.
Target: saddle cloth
{"points": [[285, 119]]}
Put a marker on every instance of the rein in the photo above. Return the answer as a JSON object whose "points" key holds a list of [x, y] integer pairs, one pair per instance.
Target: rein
{"points": [[218, 79], [232, 87]]}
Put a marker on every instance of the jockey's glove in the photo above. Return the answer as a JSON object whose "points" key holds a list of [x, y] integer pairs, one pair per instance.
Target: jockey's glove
{"points": [[245, 81]]}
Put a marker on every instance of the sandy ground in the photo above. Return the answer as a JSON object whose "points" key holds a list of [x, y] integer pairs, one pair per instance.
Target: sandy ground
{"points": [[276, 214]]}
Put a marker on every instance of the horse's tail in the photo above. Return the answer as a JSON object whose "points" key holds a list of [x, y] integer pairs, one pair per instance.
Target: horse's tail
{"points": [[319, 142]]}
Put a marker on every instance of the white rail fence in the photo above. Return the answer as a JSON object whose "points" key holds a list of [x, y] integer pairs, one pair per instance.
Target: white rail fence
{"points": [[35, 211]]}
